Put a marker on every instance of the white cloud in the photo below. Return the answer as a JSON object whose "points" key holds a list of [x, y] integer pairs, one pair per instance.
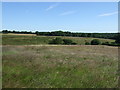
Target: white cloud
{"points": [[51, 7], [108, 14], [67, 13]]}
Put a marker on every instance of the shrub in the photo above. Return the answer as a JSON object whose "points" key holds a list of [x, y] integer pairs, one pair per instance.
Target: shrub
{"points": [[87, 43], [113, 44], [62, 41], [105, 43], [95, 42], [56, 41], [117, 38], [73, 43], [67, 41]]}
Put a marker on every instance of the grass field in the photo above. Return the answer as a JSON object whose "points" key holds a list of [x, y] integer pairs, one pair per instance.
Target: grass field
{"points": [[59, 67], [27, 64], [18, 39]]}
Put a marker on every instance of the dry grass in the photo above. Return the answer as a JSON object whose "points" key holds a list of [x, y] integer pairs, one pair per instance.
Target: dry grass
{"points": [[20, 34]]}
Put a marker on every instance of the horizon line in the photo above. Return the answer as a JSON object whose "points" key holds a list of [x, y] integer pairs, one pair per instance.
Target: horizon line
{"points": [[59, 30]]}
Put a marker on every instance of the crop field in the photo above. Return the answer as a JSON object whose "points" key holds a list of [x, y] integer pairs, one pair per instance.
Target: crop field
{"points": [[32, 65]]}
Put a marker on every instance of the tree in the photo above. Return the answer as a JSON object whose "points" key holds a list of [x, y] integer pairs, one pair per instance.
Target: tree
{"points": [[83, 35], [5, 31], [95, 42], [56, 41]]}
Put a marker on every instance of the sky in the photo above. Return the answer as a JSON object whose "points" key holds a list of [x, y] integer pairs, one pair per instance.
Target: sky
{"points": [[66, 16]]}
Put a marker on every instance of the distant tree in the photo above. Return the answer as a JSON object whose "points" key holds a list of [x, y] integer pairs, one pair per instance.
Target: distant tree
{"points": [[37, 33], [89, 35], [5, 31], [56, 41], [83, 35], [95, 42], [14, 31]]}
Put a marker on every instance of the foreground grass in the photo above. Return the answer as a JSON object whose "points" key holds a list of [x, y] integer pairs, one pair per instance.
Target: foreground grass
{"points": [[60, 67], [18, 39]]}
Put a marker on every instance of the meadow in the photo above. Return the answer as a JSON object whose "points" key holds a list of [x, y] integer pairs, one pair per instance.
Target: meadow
{"points": [[32, 39], [28, 62]]}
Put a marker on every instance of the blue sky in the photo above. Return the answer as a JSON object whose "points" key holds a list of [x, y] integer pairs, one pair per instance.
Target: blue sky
{"points": [[65, 16]]}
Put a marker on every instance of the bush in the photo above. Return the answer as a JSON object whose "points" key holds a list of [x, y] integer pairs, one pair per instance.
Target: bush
{"points": [[67, 41], [56, 41], [105, 43], [62, 41], [117, 38], [113, 44], [73, 43], [95, 42], [87, 43]]}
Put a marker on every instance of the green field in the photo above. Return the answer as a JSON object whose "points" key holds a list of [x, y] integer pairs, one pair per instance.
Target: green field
{"points": [[27, 64], [16, 39]]}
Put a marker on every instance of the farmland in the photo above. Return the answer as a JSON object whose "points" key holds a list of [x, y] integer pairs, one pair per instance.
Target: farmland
{"points": [[29, 62]]}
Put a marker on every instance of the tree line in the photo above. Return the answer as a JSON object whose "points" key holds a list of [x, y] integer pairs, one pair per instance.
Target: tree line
{"points": [[17, 32], [94, 35], [115, 36], [61, 33]]}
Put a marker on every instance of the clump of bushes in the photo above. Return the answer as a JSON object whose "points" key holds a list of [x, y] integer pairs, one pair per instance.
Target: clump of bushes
{"points": [[56, 41], [114, 44], [106, 43], [87, 43], [95, 42], [68, 42], [111, 44], [62, 41], [117, 38]]}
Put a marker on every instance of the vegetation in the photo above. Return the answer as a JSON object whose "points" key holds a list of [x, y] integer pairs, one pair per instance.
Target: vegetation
{"points": [[56, 41], [60, 66], [61, 33], [94, 35], [106, 43], [31, 39], [29, 62], [87, 43], [62, 41], [67, 41], [95, 42], [117, 38]]}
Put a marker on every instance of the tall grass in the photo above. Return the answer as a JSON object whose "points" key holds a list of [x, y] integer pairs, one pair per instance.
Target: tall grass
{"points": [[60, 67]]}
